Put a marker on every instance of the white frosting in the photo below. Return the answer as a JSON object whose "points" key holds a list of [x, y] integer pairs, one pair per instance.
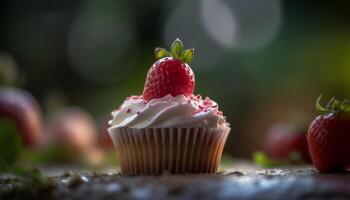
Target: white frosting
{"points": [[168, 111]]}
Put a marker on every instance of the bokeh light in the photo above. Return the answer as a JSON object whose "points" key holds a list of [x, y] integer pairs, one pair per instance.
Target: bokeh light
{"points": [[257, 22], [223, 25], [184, 21], [101, 41], [219, 21]]}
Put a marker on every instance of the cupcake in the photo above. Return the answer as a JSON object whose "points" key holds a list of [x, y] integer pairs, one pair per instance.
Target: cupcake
{"points": [[168, 129]]}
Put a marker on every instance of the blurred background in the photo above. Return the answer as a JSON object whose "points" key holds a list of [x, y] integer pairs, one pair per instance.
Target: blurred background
{"points": [[264, 62]]}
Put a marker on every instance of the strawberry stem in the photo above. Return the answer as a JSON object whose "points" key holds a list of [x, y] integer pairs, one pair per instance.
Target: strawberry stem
{"points": [[176, 52], [333, 106]]}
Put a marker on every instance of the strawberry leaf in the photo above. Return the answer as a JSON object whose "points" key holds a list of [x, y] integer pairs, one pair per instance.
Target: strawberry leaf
{"points": [[176, 52], [187, 55], [10, 144], [262, 160], [333, 106], [320, 108], [177, 48], [161, 53]]}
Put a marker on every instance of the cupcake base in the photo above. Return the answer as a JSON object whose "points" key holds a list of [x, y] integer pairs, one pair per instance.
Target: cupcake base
{"points": [[153, 151]]}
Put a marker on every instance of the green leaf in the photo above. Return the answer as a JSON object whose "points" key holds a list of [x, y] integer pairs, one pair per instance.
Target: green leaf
{"points": [[50, 155], [187, 55], [320, 108], [176, 48], [161, 53], [262, 160], [10, 144], [346, 104], [176, 52]]}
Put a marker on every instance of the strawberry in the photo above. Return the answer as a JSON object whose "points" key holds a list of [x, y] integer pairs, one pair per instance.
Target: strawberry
{"points": [[23, 110], [105, 140], [329, 137], [287, 142], [170, 74]]}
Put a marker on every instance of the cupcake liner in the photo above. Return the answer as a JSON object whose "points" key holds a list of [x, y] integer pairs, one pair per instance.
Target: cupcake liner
{"points": [[169, 150]]}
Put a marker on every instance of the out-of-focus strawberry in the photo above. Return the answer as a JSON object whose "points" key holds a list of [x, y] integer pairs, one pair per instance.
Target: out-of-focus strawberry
{"points": [[105, 139], [22, 109], [287, 142], [74, 130]]}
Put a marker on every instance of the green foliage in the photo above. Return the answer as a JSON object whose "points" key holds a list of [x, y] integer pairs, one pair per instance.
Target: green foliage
{"points": [[28, 181], [262, 160], [53, 154], [10, 144]]}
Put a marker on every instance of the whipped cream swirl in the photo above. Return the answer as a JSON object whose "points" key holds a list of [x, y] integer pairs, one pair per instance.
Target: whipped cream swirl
{"points": [[168, 111]]}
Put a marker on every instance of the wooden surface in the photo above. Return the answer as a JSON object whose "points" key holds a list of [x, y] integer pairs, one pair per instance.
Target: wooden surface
{"points": [[296, 183]]}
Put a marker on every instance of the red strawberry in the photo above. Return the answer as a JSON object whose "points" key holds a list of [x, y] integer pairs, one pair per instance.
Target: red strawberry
{"points": [[329, 137], [105, 140], [170, 74], [287, 142], [23, 110]]}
